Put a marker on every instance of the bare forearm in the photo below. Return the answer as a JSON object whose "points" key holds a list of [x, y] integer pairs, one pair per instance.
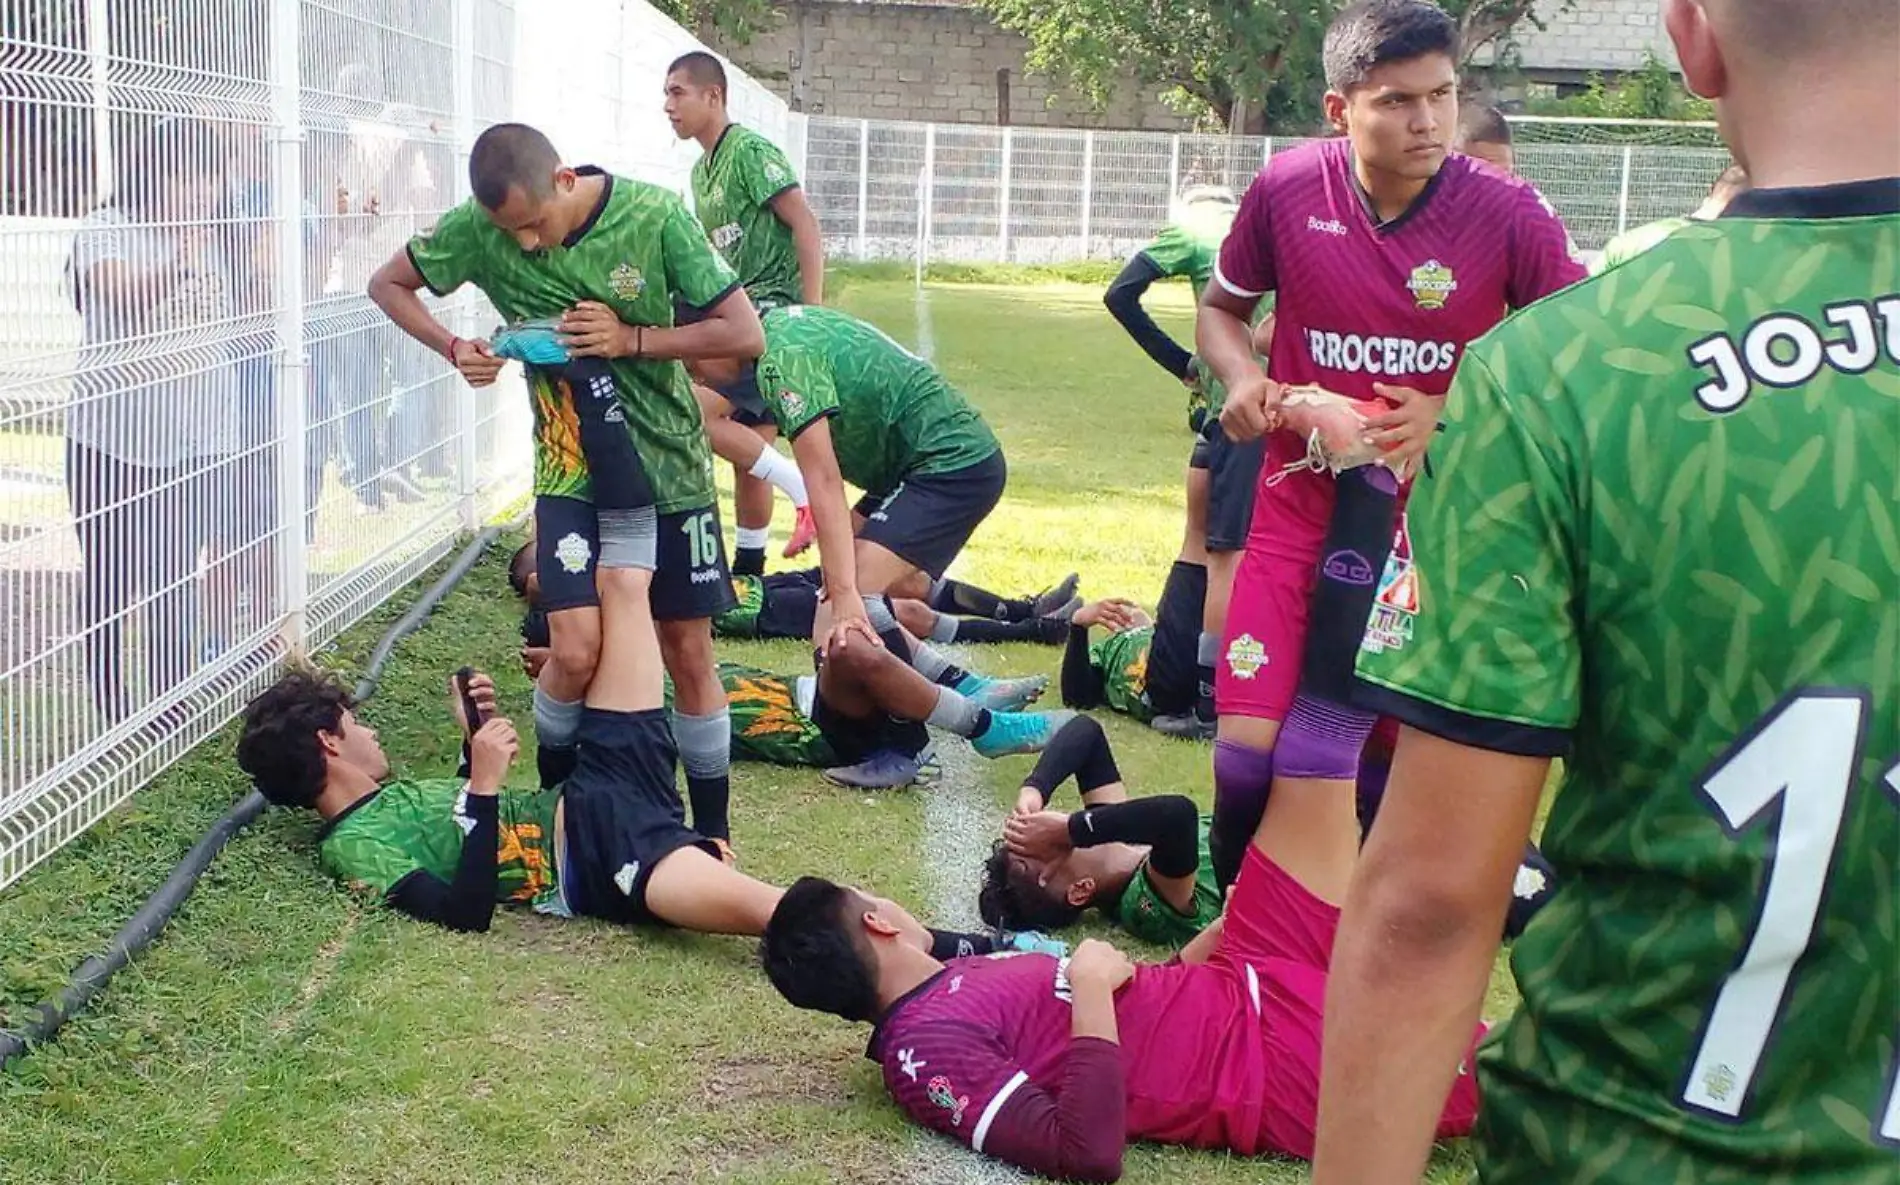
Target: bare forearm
{"points": [[811, 261], [715, 337], [832, 516], [1400, 1015], [404, 306], [1224, 343]]}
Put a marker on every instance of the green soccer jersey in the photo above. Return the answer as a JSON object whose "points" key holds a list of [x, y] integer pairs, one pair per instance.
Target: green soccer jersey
{"points": [[733, 188], [893, 416], [1662, 540], [1183, 249], [1146, 914], [641, 251], [768, 721], [1123, 660], [416, 826], [742, 620]]}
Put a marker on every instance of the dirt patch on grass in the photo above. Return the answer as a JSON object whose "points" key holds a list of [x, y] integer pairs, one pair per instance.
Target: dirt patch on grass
{"points": [[733, 1082]]}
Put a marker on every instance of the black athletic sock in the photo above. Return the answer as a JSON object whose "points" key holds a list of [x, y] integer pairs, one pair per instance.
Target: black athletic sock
{"points": [[555, 765], [1204, 693], [618, 478], [748, 561], [984, 718], [954, 596], [1172, 674], [709, 797], [1033, 629]]}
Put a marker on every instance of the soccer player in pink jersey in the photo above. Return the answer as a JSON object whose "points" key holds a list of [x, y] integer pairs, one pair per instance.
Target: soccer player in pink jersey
{"points": [[1054, 1065], [1387, 253]]}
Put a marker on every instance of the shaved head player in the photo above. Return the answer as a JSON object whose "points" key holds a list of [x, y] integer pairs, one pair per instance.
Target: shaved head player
{"points": [[1694, 598]]}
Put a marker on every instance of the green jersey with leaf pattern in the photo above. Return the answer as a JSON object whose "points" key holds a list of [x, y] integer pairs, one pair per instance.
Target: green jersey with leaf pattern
{"points": [[742, 620], [1636, 240], [1149, 916], [417, 826], [1123, 660], [893, 416], [771, 717], [1662, 542], [733, 188], [1188, 250], [641, 250]]}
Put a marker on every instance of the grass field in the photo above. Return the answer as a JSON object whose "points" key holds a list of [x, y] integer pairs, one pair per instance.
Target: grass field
{"points": [[283, 1031]]}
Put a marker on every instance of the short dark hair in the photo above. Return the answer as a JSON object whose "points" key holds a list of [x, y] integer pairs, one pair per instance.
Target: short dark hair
{"points": [[520, 567], [1481, 123], [1371, 33], [703, 68], [1010, 902], [278, 746], [814, 954], [511, 156]]}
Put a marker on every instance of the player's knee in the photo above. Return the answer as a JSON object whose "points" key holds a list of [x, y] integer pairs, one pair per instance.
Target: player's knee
{"points": [[856, 663], [915, 616]]}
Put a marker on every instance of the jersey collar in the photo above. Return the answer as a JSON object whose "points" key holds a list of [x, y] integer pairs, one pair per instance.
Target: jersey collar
{"points": [[1850, 199], [720, 142], [1405, 215], [875, 1049], [600, 207], [330, 825]]}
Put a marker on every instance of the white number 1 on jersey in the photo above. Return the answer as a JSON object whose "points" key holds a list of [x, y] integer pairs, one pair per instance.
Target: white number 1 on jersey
{"points": [[1801, 758]]}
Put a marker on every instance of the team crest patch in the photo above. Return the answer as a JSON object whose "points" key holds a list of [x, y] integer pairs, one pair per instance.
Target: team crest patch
{"points": [[1431, 284], [625, 878], [1245, 656], [775, 174], [574, 552], [626, 282], [945, 1096], [793, 402], [1395, 605]]}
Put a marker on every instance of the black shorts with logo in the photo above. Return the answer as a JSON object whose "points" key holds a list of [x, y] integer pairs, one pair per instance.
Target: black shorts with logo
{"points": [[748, 402], [621, 813], [690, 579], [790, 609], [854, 739], [928, 518]]}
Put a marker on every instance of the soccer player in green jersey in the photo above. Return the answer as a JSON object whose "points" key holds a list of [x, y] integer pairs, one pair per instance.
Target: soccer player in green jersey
{"points": [[611, 256], [1660, 544], [1732, 182], [1143, 862], [1119, 670], [748, 198]]}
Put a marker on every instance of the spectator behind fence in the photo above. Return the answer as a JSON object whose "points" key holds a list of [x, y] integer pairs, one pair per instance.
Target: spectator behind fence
{"points": [[151, 413]]}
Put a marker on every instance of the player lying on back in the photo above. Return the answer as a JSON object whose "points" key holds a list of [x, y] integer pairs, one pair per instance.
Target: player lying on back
{"points": [[1145, 863], [1387, 254], [1120, 670], [1659, 545], [1055, 1065], [785, 605], [860, 705], [747, 195]]}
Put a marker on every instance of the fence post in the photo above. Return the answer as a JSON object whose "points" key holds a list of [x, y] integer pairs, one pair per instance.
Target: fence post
{"points": [[98, 50], [1623, 194], [1266, 151], [1174, 166], [864, 186], [1009, 143], [291, 372], [926, 200], [467, 419], [1088, 186]]}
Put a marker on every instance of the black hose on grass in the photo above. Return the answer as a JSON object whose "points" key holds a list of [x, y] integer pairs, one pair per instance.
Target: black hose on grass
{"points": [[92, 975]]}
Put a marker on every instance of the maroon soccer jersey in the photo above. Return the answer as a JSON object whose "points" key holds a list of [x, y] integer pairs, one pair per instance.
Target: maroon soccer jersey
{"points": [[1358, 302]]}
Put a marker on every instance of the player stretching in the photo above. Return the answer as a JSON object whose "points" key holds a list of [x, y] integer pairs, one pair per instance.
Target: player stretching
{"points": [[1387, 255], [1055, 1066], [1119, 672], [1660, 544], [1221, 473], [749, 200], [610, 256]]}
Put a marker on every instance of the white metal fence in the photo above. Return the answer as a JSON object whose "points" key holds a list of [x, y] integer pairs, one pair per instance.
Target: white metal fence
{"points": [[213, 449], [886, 189]]}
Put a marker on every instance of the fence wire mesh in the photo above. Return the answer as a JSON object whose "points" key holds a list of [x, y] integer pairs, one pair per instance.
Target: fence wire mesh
{"points": [[1053, 196], [214, 450]]}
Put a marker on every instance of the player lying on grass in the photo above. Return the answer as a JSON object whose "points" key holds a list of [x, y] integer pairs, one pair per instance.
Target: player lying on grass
{"points": [[864, 702], [1120, 671], [785, 605], [1145, 863], [860, 408], [611, 258], [747, 195], [1055, 1065], [609, 842], [1387, 253]]}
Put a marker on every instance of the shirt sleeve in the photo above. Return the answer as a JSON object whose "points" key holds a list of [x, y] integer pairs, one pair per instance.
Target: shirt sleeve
{"points": [[1543, 257], [695, 273], [958, 1079], [1245, 266], [1494, 658], [451, 253], [798, 387], [767, 172], [1174, 251], [367, 863]]}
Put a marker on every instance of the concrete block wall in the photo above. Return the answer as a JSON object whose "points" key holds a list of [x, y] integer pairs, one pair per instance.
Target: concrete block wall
{"points": [[922, 61], [1592, 35]]}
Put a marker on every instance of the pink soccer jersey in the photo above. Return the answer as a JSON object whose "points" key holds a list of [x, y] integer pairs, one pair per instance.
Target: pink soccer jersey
{"points": [[1358, 303]]}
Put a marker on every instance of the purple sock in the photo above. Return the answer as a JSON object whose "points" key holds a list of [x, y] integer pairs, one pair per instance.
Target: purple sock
{"points": [[1322, 739], [1242, 777]]}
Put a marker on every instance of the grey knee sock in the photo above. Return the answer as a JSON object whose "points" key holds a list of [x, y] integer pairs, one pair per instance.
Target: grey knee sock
{"points": [[629, 538], [705, 743], [1207, 649], [929, 661], [945, 629], [955, 713], [556, 722]]}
